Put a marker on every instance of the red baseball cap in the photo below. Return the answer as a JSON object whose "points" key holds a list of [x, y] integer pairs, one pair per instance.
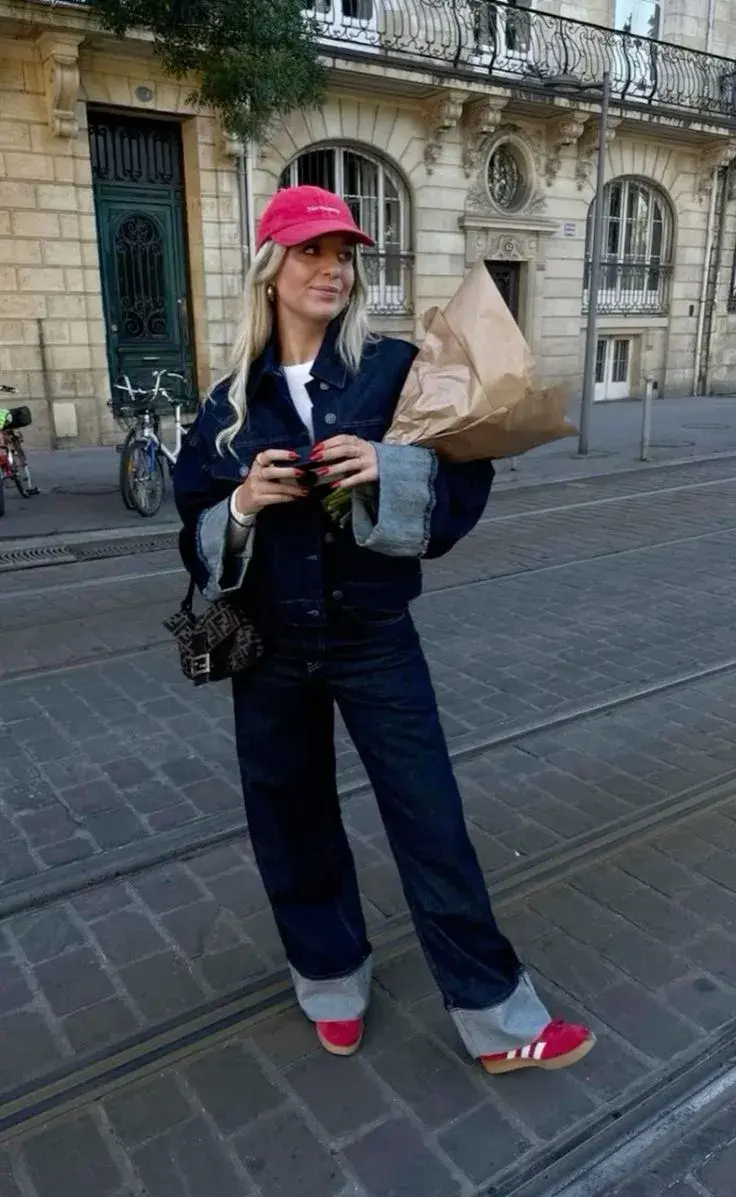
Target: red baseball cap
{"points": [[298, 214]]}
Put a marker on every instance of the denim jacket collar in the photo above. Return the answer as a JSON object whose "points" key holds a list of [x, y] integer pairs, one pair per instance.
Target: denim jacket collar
{"points": [[328, 365]]}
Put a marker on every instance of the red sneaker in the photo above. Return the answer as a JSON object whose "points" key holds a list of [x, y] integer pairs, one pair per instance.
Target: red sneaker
{"points": [[559, 1045], [341, 1038]]}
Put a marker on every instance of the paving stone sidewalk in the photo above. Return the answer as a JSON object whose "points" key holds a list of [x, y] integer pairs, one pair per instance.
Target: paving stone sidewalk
{"points": [[125, 599], [79, 486], [701, 1164], [681, 429], [641, 947], [106, 755], [512, 492], [126, 955]]}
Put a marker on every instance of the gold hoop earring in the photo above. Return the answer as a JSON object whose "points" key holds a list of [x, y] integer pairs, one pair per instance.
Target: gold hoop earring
{"points": [[270, 292]]}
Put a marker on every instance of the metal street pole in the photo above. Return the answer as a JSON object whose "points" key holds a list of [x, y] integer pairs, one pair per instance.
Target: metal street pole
{"points": [[591, 337]]}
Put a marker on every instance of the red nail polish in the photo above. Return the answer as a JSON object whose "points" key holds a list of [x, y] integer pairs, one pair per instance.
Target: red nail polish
{"points": [[322, 471], [293, 456]]}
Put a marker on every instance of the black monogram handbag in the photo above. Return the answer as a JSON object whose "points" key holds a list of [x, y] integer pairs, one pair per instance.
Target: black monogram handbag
{"points": [[217, 644]]}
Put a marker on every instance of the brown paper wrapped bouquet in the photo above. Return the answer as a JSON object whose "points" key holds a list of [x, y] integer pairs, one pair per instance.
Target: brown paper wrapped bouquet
{"points": [[471, 392]]}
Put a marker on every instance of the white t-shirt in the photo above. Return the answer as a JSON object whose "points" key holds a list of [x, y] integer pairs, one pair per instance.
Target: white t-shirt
{"points": [[240, 536], [297, 378]]}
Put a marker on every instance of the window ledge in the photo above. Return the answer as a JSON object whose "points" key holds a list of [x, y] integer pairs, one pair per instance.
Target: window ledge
{"points": [[629, 322]]}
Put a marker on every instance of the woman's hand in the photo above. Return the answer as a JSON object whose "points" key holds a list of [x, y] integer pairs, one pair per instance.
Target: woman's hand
{"points": [[346, 461], [269, 482]]}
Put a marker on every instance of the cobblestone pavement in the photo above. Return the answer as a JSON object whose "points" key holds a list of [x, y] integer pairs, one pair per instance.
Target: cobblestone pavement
{"points": [[641, 946], [525, 622], [702, 1164], [79, 486], [539, 614], [83, 508], [131, 953]]}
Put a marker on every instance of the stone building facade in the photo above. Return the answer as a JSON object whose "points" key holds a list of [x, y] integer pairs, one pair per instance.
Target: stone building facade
{"points": [[454, 131]]}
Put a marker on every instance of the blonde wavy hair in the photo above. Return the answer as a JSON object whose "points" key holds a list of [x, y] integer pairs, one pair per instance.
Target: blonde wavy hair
{"points": [[257, 326]]}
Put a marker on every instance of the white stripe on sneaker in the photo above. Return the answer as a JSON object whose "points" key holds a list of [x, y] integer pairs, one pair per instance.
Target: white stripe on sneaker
{"points": [[526, 1051], [539, 1050]]}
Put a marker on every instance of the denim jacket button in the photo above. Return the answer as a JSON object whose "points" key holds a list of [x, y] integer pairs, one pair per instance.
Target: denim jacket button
{"points": [[330, 418], [324, 386], [338, 595], [329, 538]]}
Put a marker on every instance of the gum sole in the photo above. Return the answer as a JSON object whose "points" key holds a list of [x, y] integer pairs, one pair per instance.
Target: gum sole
{"points": [[339, 1051], [497, 1067]]}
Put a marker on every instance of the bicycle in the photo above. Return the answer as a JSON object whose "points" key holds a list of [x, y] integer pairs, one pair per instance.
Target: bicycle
{"points": [[13, 461], [143, 452]]}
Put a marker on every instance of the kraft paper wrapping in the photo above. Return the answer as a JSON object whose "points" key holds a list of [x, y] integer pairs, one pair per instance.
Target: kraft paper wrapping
{"points": [[471, 392]]}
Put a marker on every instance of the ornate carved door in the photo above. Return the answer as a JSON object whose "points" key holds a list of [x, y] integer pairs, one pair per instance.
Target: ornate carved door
{"points": [[138, 179]]}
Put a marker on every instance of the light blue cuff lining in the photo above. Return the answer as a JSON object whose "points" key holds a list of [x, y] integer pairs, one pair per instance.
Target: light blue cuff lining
{"points": [[511, 1024], [337, 1000], [213, 550], [406, 475]]}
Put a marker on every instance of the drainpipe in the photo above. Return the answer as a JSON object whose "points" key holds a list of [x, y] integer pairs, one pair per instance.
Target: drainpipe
{"points": [[245, 208], [249, 205], [704, 285], [243, 216], [710, 28], [46, 385], [725, 183]]}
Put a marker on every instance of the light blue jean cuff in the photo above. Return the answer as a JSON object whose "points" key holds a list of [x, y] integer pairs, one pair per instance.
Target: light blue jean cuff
{"points": [[226, 568], [512, 1023], [335, 1000], [406, 498]]}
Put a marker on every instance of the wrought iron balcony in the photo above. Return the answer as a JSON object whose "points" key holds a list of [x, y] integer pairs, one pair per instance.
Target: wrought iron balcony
{"points": [[389, 276], [518, 47], [631, 288]]}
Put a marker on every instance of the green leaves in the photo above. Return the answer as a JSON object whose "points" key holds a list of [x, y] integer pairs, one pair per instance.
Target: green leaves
{"points": [[253, 59]]}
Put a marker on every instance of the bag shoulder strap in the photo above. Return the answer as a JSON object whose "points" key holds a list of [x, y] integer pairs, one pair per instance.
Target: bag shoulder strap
{"points": [[188, 601]]}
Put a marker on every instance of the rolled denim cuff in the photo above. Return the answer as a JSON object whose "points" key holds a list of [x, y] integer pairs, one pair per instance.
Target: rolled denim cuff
{"points": [[337, 999], [400, 527], [511, 1024], [226, 568]]}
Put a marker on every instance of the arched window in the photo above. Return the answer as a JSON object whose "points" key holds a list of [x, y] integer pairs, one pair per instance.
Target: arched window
{"points": [[378, 200], [636, 258]]}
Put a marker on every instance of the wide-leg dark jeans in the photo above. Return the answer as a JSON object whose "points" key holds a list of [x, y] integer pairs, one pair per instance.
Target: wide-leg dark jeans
{"points": [[376, 673]]}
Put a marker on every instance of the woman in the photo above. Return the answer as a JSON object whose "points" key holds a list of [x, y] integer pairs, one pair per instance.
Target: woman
{"points": [[311, 384]]}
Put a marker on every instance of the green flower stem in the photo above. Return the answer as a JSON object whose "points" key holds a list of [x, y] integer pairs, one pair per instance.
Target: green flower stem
{"points": [[338, 504]]}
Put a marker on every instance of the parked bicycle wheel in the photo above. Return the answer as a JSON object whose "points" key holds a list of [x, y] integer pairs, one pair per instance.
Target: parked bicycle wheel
{"points": [[123, 482], [144, 476], [22, 475]]}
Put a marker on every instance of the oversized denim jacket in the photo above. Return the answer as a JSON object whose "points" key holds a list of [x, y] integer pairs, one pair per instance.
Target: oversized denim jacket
{"points": [[300, 564]]}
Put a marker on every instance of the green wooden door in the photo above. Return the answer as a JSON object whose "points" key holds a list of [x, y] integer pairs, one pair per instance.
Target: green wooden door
{"points": [[139, 202]]}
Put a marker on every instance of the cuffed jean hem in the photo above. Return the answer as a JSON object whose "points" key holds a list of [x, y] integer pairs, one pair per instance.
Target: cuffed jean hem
{"points": [[336, 999], [512, 1023]]}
